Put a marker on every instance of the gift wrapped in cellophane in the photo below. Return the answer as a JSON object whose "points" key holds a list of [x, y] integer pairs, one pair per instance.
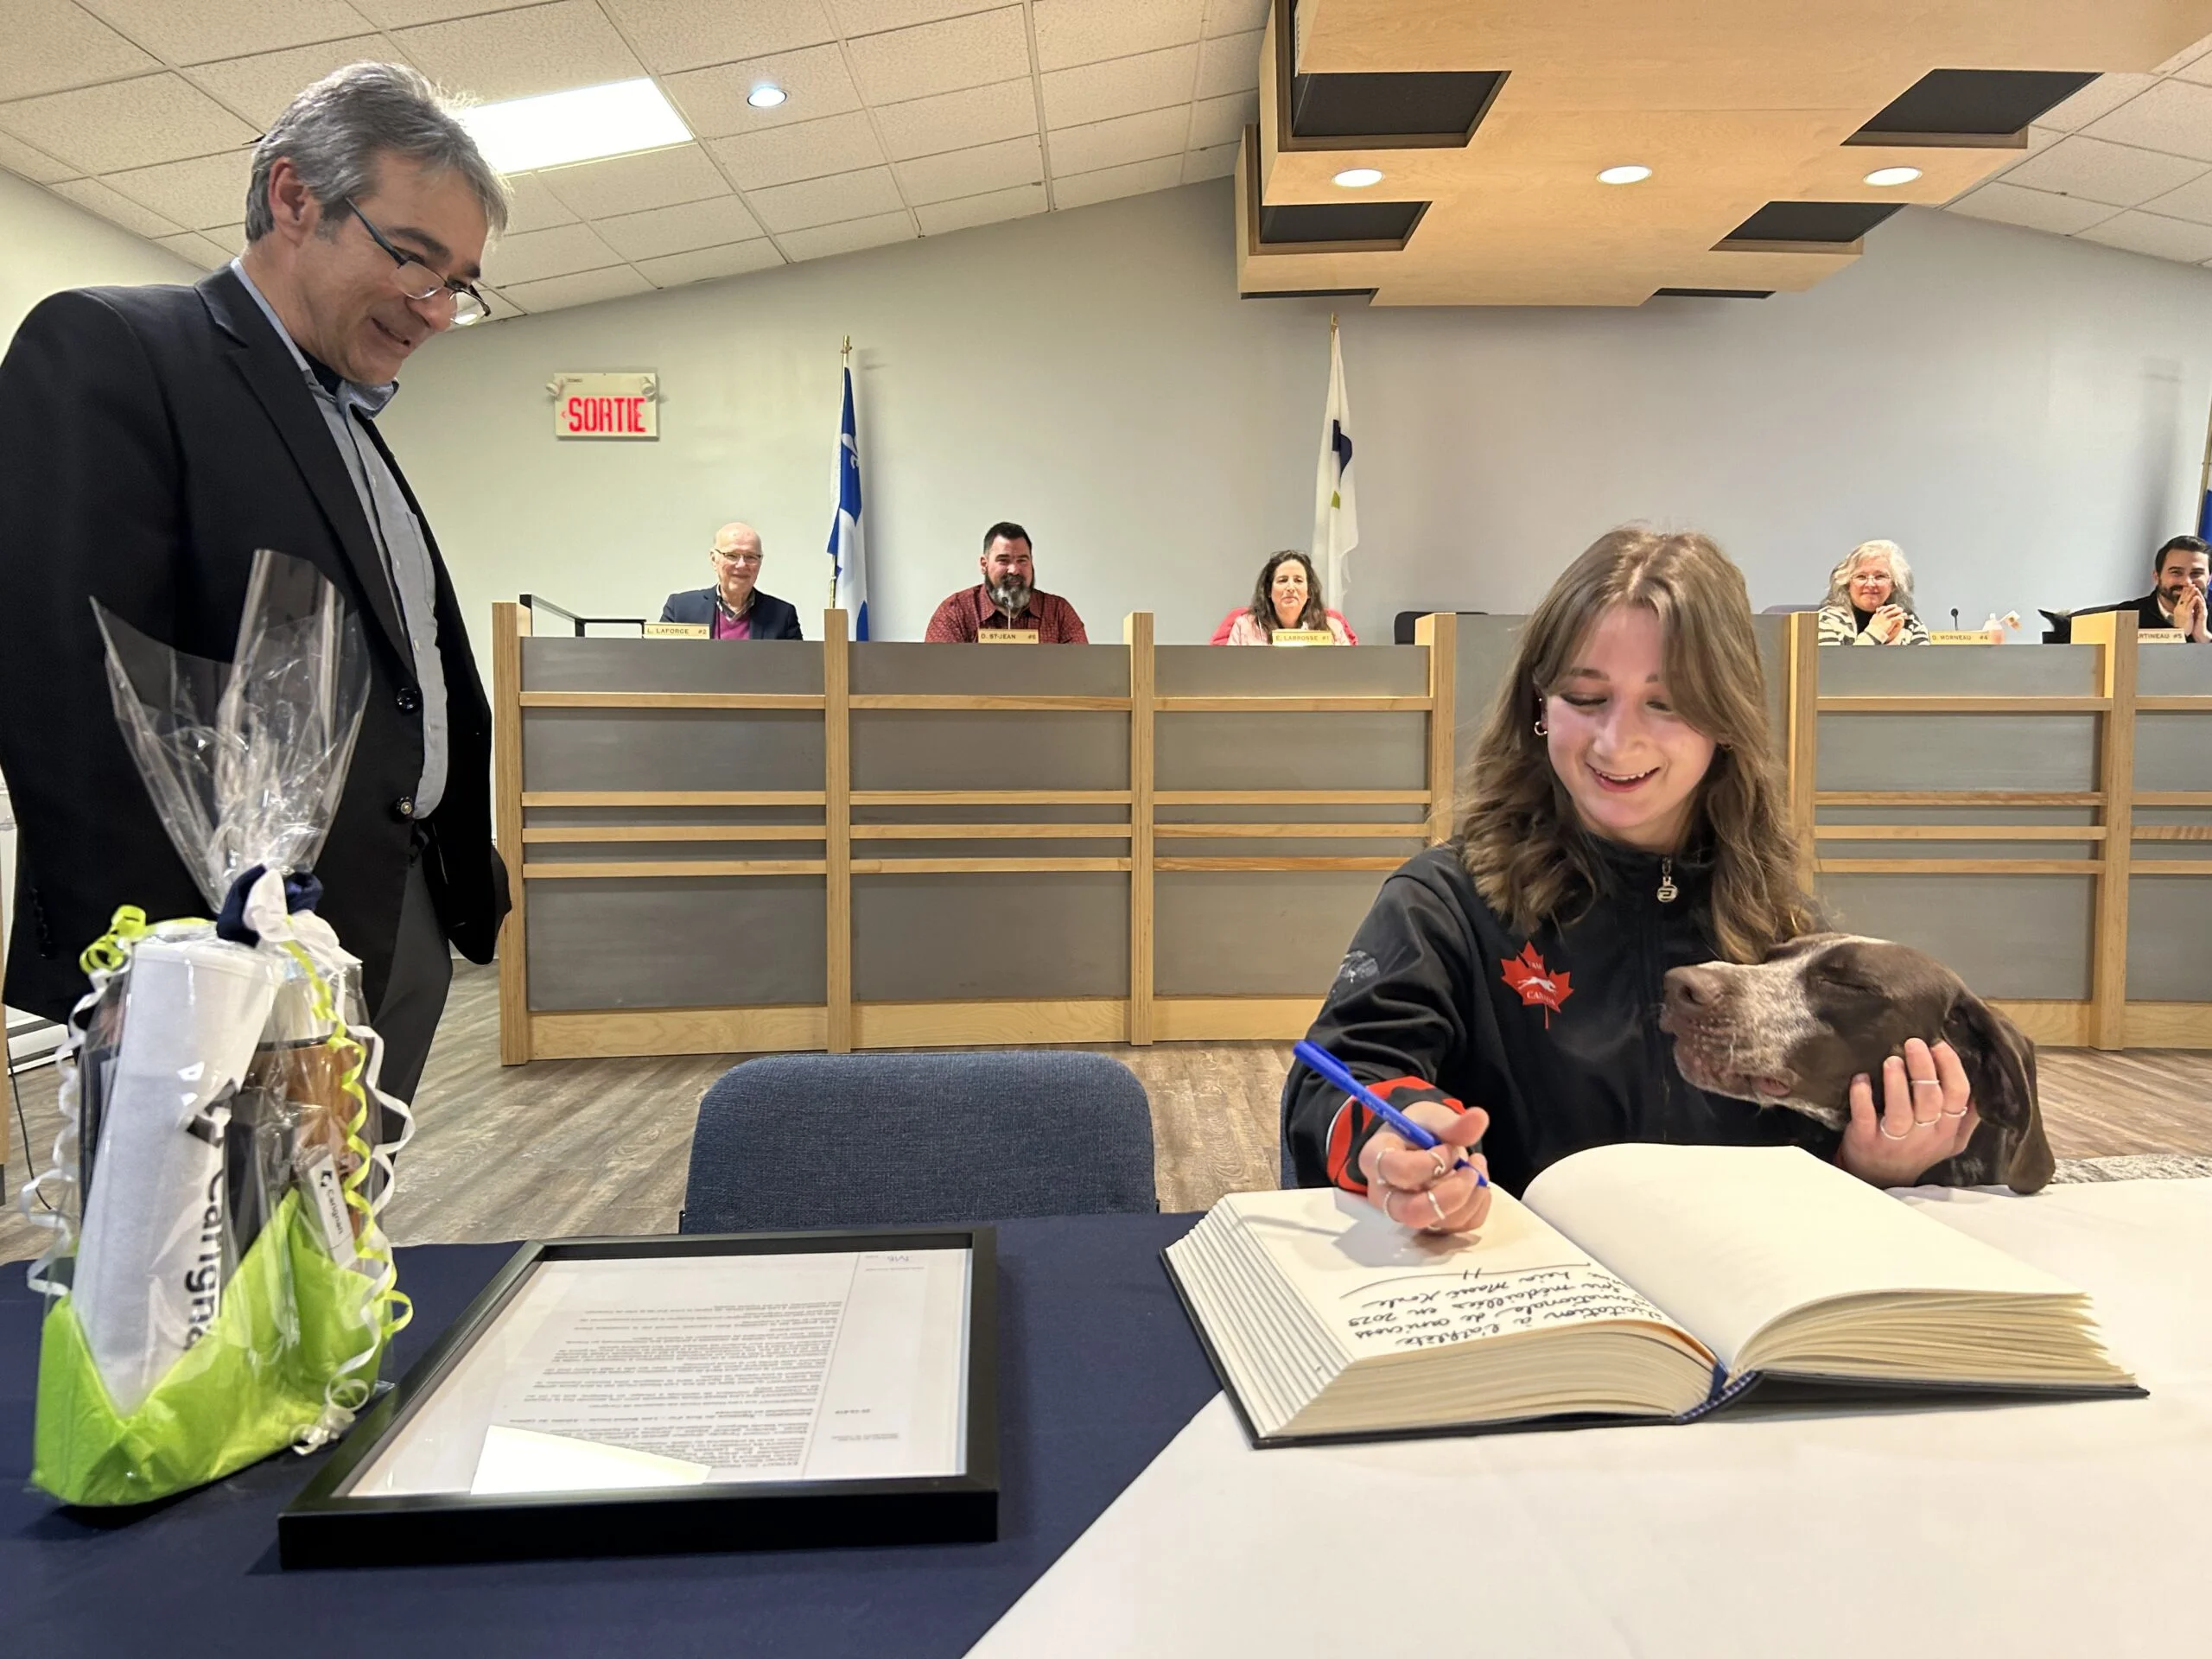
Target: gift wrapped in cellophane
{"points": [[218, 1287]]}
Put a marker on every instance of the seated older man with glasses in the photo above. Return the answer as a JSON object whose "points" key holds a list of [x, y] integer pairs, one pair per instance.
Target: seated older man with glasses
{"points": [[734, 607]]}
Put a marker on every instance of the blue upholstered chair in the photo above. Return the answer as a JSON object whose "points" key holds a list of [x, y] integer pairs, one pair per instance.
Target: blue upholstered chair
{"points": [[808, 1140]]}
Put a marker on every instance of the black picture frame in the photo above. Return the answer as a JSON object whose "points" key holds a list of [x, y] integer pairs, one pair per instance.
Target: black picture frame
{"points": [[324, 1527]]}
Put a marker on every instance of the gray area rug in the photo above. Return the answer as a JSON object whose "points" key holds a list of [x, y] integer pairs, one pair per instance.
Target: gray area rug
{"points": [[2135, 1166]]}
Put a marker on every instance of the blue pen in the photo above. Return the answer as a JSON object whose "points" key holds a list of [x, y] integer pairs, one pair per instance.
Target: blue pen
{"points": [[1332, 1071]]}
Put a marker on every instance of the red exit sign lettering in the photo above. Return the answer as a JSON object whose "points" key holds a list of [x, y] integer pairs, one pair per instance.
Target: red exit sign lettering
{"points": [[605, 406]]}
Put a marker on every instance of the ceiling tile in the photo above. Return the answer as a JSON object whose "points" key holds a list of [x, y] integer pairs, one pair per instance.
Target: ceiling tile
{"points": [[938, 216], [1223, 120], [500, 307], [558, 252], [812, 149], [978, 115], [2038, 210], [261, 87], [205, 191], [1069, 32], [556, 293], [197, 31], [36, 165], [208, 256], [672, 35], [2174, 115], [1218, 162], [1229, 63], [2190, 63], [2101, 96], [522, 54], [827, 202], [973, 51], [1098, 91], [398, 14], [126, 124], [1110, 143], [713, 100], [2193, 201], [850, 236], [705, 265], [972, 172], [96, 198], [230, 235], [646, 237], [1234, 16], [2125, 177], [532, 206], [624, 184], [873, 16], [52, 44], [1081, 189], [2163, 238]]}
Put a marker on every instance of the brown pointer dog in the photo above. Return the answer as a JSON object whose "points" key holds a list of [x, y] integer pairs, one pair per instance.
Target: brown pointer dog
{"points": [[1793, 1030]]}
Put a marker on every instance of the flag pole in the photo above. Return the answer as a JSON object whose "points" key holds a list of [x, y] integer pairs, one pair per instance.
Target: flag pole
{"points": [[2204, 482], [845, 364]]}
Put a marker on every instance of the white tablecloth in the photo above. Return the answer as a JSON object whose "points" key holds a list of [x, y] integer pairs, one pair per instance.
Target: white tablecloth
{"points": [[2081, 1528]]}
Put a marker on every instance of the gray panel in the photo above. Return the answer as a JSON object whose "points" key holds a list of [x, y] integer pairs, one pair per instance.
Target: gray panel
{"points": [[1969, 850], [960, 749], [2173, 751], [661, 942], [784, 666], [1290, 752], [670, 749], [1959, 671], [1257, 932], [1227, 671], [1486, 648], [634, 852], [1074, 812], [2173, 672], [1773, 635], [2020, 752], [538, 817], [992, 671], [2169, 939], [1960, 815], [963, 938], [991, 847], [1412, 816], [2012, 936]]}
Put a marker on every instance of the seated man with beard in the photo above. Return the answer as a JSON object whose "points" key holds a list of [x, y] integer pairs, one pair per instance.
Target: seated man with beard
{"points": [[1005, 599]]}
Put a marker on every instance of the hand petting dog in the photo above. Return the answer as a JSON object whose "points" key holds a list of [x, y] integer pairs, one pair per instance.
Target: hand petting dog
{"points": [[1927, 1117]]}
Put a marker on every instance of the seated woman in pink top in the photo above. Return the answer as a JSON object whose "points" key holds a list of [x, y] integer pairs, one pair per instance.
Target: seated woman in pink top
{"points": [[1286, 596]]}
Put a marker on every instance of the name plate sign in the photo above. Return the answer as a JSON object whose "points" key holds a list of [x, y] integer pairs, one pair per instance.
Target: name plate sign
{"points": [[1961, 637], [2160, 636], [675, 630], [607, 405], [1302, 636], [1006, 636]]}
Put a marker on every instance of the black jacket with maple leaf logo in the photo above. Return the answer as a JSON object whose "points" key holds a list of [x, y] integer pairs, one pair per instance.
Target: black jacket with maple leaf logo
{"points": [[1556, 1035]]}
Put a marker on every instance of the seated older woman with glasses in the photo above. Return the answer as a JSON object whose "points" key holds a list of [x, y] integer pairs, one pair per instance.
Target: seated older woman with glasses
{"points": [[1869, 599]]}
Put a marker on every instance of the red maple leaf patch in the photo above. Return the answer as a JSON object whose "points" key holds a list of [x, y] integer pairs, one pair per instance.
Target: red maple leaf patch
{"points": [[1538, 985]]}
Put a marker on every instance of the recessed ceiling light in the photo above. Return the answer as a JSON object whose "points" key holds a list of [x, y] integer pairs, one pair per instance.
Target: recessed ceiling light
{"points": [[1358, 178], [766, 96], [582, 125], [1631, 174], [1893, 175]]}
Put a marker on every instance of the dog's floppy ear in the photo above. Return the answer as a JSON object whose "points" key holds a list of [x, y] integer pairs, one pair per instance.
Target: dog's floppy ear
{"points": [[2000, 1066]]}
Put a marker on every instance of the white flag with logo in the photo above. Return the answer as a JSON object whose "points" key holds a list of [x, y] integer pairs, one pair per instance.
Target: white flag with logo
{"points": [[1336, 512]]}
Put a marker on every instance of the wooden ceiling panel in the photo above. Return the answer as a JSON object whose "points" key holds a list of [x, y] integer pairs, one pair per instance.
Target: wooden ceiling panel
{"points": [[1733, 104]]}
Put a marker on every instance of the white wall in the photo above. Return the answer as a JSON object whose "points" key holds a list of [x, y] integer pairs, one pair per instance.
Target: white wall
{"points": [[2023, 414], [46, 245]]}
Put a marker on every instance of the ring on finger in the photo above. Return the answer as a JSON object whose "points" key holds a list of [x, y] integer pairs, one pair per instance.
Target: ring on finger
{"points": [[1443, 1166], [1436, 1205], [1886, 1134], [1927, 1082], [1923, 1122], [1961, 1112]]}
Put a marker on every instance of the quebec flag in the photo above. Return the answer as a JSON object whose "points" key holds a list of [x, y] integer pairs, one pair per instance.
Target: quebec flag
{"points": [[1336, 512], [847, 553]]}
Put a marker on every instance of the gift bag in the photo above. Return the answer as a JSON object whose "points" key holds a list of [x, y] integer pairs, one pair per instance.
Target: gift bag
{"points": [[217, 1286]]}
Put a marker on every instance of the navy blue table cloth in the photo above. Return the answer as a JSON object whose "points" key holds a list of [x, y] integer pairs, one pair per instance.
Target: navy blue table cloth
{"points": [[1097, 1370]]}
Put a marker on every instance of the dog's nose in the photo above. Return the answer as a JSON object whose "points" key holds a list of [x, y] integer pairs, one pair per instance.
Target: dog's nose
{"points": [[1692, 988]]}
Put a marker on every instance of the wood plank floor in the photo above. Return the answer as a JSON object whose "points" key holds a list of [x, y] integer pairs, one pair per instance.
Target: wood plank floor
{"points": [[570, 1147]]}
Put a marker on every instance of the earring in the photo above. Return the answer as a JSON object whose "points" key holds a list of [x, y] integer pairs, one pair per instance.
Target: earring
{"points": [[1542, 730]]}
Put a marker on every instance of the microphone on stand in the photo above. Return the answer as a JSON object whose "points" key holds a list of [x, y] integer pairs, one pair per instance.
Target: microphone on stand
{"points": [[1954, 618]]}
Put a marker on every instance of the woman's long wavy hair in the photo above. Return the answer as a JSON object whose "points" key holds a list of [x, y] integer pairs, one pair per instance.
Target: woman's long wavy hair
{"points": [[1519, 835], [1316, 614]]}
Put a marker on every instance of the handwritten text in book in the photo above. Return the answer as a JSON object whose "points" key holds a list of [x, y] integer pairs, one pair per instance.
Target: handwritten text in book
{"points": [[1408, 1313]]}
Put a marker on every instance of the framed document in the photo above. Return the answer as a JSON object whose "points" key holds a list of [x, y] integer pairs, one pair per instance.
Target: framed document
{"points": [[608, 1396]]}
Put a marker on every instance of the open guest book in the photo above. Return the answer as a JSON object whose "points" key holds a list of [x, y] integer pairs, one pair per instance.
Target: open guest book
{"points": [[1632, 1281]]}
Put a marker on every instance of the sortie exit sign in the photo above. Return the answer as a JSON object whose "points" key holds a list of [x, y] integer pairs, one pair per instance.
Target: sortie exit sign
{"points": [[607, 405]]}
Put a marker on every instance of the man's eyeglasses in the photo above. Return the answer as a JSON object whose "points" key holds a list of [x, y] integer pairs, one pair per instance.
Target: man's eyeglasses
{"points": [[418, 282], [735, 558]]}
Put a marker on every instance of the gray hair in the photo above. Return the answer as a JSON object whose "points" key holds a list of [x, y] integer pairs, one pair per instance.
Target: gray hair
{"points": [[334, 132], [1892, 555]]}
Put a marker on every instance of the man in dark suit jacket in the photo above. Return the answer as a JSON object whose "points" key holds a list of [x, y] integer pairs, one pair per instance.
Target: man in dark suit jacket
{"points": [[734, 607], [150, 440]]}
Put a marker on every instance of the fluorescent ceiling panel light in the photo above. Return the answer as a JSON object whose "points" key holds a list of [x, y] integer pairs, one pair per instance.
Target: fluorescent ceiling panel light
{"points": [[1893, 175], [583, 125], [1631, 174], [766, 96], [1358, 178]]}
